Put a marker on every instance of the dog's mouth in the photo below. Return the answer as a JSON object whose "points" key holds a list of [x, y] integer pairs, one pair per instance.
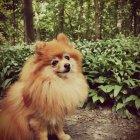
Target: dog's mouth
{"points": [[66, 69], [63, 72]]}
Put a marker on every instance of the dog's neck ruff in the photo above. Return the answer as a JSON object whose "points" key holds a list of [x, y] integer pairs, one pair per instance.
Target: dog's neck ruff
{"points": [[60, 95]]}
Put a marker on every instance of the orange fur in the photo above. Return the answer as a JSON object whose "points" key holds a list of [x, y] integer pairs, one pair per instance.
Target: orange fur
{"points": [[41, 98]]}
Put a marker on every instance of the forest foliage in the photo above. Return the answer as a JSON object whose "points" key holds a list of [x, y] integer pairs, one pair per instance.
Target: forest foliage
{"points": [[84, 19], [112, 69]]}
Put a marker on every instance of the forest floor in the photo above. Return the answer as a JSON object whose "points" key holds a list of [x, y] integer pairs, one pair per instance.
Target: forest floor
{"points": [[101, 124]]}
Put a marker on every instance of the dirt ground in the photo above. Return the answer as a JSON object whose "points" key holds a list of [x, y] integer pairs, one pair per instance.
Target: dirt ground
{"points": [[101, 124]]}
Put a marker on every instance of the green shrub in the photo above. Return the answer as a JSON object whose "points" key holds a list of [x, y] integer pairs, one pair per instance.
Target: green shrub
{"points": [[113, 72], [11, 62], [112, 69]]}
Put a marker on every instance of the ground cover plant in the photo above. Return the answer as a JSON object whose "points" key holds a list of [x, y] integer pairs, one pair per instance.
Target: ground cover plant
{"points": [[11, 62], [112, 69]]}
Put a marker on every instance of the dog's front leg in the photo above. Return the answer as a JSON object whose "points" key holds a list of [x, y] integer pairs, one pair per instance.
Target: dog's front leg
{"points": [[39, 131], [61, 134], [42, 135]]}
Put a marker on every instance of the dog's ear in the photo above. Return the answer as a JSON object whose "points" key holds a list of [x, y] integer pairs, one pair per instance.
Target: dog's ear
{"points": [[39, 47], [62, 38]]}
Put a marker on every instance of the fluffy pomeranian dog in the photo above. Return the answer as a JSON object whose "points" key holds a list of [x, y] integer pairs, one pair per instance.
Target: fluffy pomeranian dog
{"points": [[50, 87]]}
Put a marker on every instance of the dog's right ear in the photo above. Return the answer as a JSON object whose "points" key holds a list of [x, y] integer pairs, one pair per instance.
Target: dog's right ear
{"points": [[39, 47]]}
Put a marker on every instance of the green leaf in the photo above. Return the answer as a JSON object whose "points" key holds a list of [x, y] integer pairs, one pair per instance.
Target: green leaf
{"points": [[6, 83], [111, 95], [118, 62], [132, 82], [119, 106], [137, 103], [101, 79], [5, 70], [92, 93], [118, 79], [130, 98], [107, 88], [90, 79], [129, 82], [124, 91], [128, 114], [101, 99], [117, 89], [95, 98]]}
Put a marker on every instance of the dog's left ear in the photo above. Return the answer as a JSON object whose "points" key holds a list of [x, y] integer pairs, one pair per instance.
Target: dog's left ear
{"points": [[62, 38]]}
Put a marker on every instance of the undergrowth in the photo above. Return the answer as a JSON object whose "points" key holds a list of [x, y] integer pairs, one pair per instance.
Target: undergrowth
{"points": [[112, 69]]}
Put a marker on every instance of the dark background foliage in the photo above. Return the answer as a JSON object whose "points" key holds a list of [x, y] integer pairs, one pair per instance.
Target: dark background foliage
{"points": [[30, 20], [112, 69]]}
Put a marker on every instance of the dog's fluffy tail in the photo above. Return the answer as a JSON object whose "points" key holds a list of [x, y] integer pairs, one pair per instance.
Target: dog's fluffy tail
{"points": [[14, 116], [14, 127]]}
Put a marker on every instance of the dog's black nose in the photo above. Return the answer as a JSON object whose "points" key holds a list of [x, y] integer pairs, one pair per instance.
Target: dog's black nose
{"points": [[67, 66]]}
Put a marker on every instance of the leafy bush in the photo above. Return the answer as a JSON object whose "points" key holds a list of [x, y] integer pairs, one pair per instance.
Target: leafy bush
{"points": [[112, 68], [113, 72], [11, 62], [2, 38]]}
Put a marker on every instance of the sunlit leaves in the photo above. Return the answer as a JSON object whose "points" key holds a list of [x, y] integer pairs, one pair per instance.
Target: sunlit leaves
{"points": [[137, 103], [119, 106], [113, 71], [107, 88], [11, 62]]}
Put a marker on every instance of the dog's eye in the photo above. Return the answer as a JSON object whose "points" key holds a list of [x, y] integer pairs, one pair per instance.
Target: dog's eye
{"points": [[67, 57], [55, 62]]}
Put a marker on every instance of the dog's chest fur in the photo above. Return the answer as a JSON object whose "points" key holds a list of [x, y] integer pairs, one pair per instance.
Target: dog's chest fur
{"points": [[60, 96]]}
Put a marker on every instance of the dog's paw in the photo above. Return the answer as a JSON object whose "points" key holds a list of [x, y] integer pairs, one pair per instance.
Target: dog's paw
{"points": [[66, 137]]}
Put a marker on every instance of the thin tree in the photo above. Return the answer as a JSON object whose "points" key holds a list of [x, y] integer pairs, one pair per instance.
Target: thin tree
{"points": [[97, 20], [14, 22], [28, 21], [80, 19], [119, 15], [135, 6], [61, 17], [88, 19], [102, 5]]}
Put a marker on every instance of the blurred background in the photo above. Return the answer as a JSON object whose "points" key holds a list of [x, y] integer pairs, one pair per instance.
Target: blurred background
{"points": [[30, 20]]}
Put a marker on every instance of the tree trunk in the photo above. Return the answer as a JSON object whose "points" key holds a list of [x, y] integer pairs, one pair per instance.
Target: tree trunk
{"points": [[14, 23], [135, 21], [138, 17], [61, 17], [87, 20], [38, 37], [80, 18], [28, 21], [119, 15], [101, 18], [97, 22], [138, 25], [130, 21], [135, 7]]}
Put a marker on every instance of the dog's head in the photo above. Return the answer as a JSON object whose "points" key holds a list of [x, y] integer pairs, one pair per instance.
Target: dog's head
{"points": [[59, 56], [55, 69]]}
